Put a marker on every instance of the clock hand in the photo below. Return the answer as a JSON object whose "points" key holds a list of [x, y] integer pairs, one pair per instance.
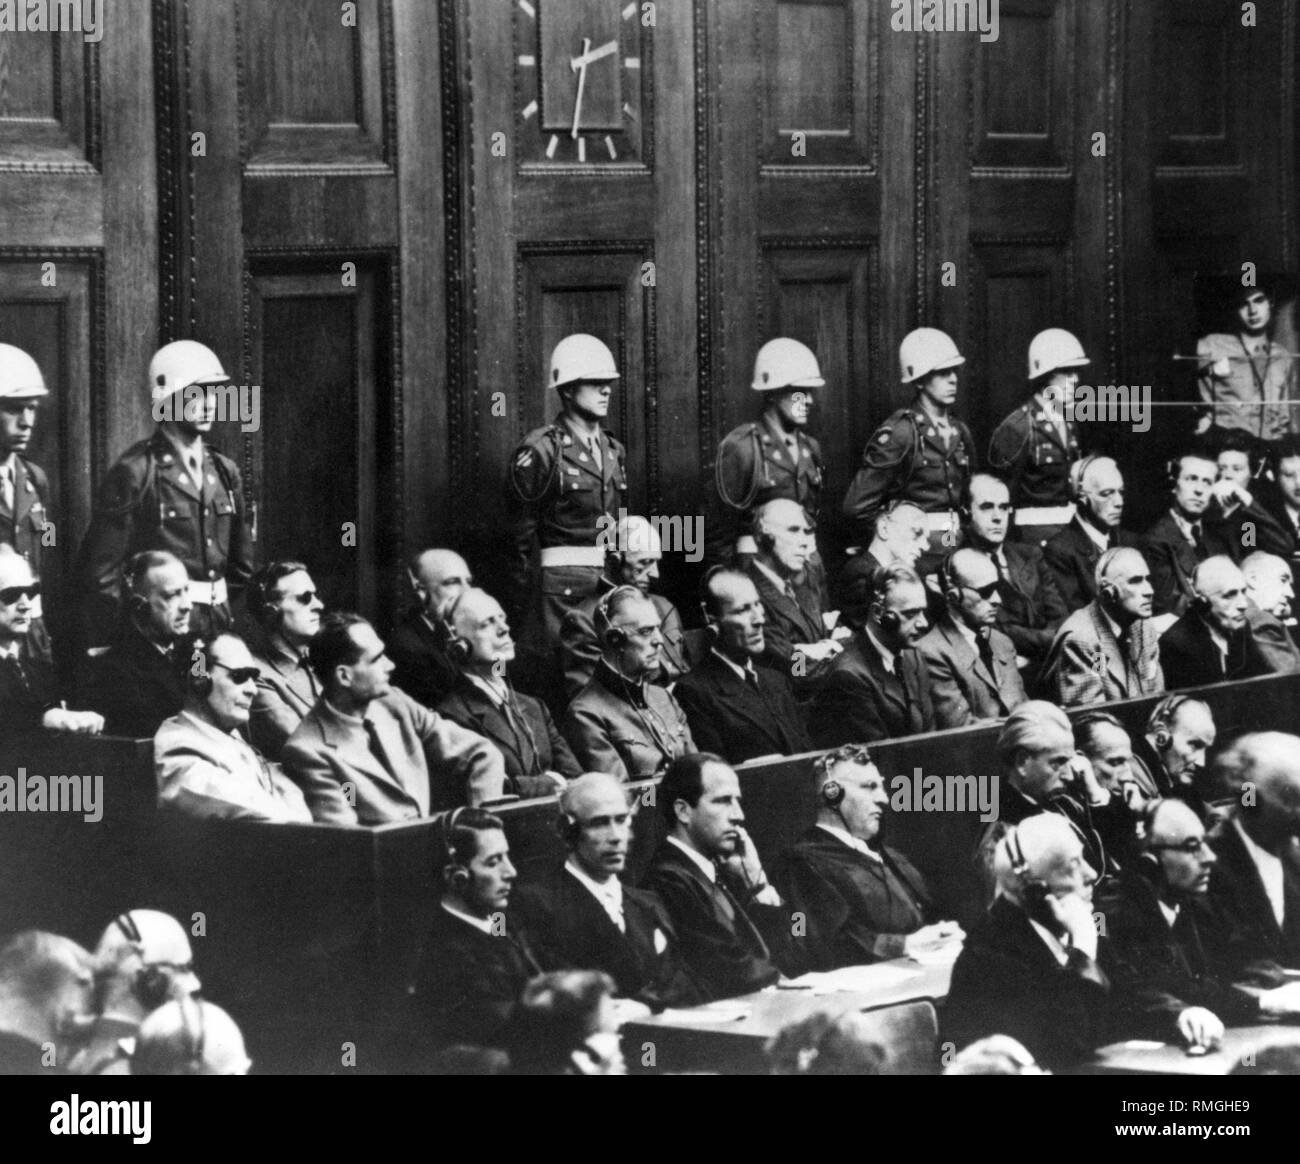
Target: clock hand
{"points": [[582, 81], [589, 58]]}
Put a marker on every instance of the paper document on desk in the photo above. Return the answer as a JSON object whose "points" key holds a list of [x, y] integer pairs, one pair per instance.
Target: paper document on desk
{"points": [[857, 979], [714, 1012]]}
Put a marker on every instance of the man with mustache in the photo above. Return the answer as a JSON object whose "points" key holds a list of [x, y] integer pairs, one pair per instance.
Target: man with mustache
{"points": [[483, 700], [203, 764]]}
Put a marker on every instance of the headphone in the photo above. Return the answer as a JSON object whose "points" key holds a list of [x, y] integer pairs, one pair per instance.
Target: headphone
{"points": [[194, 1032], [946, 583], [152, 984], [1162, 718], [569, 828], [458, 650], [609, 634], [1077, 472], [1035, 889], [832, 791], [459, 876], [763, 539]]}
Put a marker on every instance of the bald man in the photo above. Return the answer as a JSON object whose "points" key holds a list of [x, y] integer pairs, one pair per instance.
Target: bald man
{"points": [[190, 1037], [1110, 649], [1180, 732], [1029, 968], [972, 664], [1271, 590], [1158, 921], [1211, 641], [580, 915], [632, 559], [418, 644], [799, 640], [1073, 552], [1256, 883], [482, 699], [143, 959], [901, 537], [47, 989]]}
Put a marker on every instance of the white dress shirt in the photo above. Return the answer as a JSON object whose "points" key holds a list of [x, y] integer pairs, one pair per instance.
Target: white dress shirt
{"points": [[1270, 872], [609, 893]]}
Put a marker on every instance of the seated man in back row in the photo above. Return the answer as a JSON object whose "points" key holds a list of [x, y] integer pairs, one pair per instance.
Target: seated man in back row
{"points": [[1212, 642], [203, 765], [621, 722], [862, 902], [367, 753]]}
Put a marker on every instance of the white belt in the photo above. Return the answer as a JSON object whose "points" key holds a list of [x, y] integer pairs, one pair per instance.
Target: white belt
{"points": [[553, 556], [1045, 515], [745, 544], [209, 593]]}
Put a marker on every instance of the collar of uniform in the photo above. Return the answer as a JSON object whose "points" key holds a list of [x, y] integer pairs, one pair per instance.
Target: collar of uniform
{"points": [[707, 867], [632, 691], [166, 444], [773, 431], [479, 923], [210, 729], [857, 844], [571, 435]]}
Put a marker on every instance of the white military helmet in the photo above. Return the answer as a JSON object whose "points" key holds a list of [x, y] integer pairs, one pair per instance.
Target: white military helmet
{"points": [[181, 363], [1053, 349], [926, 350], [581, 357], [20, 378], [785, 363]]}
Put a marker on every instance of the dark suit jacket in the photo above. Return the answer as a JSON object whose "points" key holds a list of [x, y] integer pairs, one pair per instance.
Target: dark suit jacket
{"points": [[1257, 945], [731, 947], [424, 670], [1249, 529], [468, 982], [1007, 982], [1032, 605], [790, 621], [862, 702], [527, 754], [848, 900], [1072, 556], [134, 686], [851, 591], [729, 717], [963, 689], [1274, 640], [1189, 658], [28, 688], [570, 929], [1157, 971], [1173, 560]]}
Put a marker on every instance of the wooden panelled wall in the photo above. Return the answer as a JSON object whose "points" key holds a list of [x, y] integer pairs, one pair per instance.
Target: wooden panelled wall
{"points": [[429, 144]]}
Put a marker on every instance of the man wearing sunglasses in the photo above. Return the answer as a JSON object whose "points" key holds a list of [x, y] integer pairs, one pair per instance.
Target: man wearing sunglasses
{"points": [[203, 764], [972, 664], [284, 601], [29, 696], [1158, 922]]}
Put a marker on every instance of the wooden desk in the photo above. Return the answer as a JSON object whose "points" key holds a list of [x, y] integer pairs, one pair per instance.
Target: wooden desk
{"points": [[1167, 1059], [734, 1046]]}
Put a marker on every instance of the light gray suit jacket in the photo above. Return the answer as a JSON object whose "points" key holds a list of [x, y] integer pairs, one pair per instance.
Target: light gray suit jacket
{"points": [[1086, 664], [962, 688]]}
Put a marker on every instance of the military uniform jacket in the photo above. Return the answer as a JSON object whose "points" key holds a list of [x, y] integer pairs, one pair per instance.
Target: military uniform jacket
{"points": [[559, 493], [570, 930], [22, 526], [580, 647], [907, 459], [755, 466], [628, 730], [149, 502], [1029, 448]]}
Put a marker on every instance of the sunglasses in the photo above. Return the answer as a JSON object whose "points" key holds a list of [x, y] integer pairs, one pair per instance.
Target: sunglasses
{"points": [[985, 592], [1191, 845], [306, 598], [240, 674], [11, 594]]}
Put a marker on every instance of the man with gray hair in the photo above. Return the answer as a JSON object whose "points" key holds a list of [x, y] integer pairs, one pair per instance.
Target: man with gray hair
{"points": [[1211, 641], [1271, 590], [581, 915], [1257, 880], [1109, 650], [1029, 968], [632, 559], [901, 536], [418, 644], [46, 1002], [1097, 487]]}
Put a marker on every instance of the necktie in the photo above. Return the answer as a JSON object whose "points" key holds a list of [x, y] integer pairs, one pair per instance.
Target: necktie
{"points": [[16, 664], [985, 650], [751, 677], [745, 929], [1198, 540], [376, 748], [192, 464]]}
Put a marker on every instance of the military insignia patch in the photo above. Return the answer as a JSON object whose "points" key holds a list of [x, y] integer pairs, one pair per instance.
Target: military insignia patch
{"points": [[523, 458]]}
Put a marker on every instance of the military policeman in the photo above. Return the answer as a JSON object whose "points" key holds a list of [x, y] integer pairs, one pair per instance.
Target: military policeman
{"points": [[565, 477], [922, 454], [773, 457], [24, 489], [172, 492], [1035, 446]]}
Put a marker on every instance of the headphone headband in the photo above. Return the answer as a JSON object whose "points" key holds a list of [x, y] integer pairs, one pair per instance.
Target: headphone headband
{"points": [[192, 1023]]}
